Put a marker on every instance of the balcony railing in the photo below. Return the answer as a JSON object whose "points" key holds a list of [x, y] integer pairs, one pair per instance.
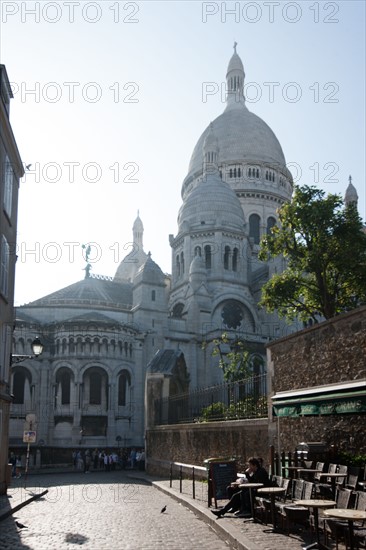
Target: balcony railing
{"points": [[227, 401]]}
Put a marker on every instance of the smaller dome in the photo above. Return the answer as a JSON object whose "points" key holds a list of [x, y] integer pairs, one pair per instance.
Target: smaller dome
{"points": [[197, 266], [212, 203], [149, 272]]}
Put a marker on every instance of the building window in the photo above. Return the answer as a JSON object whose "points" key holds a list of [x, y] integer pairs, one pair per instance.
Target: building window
{"points": [[153, 295], [178, 266], [271, 222], [197, 251], [182, 262], [226, 257], [4, 267], [95, 391], [178, 311], [18, 388], [65, 388], [124, 383], [208, 256], [254, 223], [257, 173], [8, 186], [235, 259], [232, 314]]}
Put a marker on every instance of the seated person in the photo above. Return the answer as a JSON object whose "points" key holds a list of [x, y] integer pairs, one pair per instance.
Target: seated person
{"points": [[234, 486], [240, 501]]}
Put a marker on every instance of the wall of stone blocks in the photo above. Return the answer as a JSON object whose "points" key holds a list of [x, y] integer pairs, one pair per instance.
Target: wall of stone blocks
{"points": [[193, 443], [328, 353]]}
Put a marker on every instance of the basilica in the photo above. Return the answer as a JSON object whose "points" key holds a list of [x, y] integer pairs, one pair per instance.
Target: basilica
{"points": [[102, 335]]}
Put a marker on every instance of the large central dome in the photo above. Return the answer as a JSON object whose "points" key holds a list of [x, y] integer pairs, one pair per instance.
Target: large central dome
{"points": [[244, 139]]}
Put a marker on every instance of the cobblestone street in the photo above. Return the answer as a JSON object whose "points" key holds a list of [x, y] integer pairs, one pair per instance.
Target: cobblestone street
{"points": [[102, 510], [122, 511]]}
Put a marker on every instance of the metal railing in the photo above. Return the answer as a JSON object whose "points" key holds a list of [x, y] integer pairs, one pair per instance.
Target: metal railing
{"points": [[228, 401]]}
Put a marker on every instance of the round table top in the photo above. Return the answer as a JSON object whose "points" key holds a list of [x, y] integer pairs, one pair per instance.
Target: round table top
{"points": [[344, 513], [250, 485], [327, 474], [272, 490], [315, 503], [310, 470]]}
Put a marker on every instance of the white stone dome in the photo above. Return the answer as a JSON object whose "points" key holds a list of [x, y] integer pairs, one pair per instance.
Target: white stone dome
{"points": [[211, 204], [242, 137]]}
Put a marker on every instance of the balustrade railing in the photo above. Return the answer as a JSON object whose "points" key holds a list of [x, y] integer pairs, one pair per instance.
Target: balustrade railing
{"points": [[227, 401]]}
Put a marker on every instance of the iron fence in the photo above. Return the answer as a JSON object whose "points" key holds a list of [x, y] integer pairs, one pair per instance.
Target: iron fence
{"points": [[227, 401]]}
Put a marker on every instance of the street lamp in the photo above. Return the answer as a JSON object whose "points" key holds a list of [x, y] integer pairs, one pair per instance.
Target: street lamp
{"points": [[37, 349]]}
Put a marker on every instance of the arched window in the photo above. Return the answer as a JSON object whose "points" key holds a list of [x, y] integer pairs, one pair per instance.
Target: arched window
{"points": [[153, 295], [257, 173], [208, 256], [197, 251], [95, 389], [235, 259], [254, 223], [271, 222], [266, 174], [250, 172], [231, 173], [234, 172], [178, 266], [18, 387], [178, 311], [226, 257], [65, 380], [124, 383], [182, 261]]}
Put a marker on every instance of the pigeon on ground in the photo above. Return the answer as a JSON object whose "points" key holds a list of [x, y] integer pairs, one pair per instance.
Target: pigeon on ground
{"points": [[20, 525], [163, 510]]}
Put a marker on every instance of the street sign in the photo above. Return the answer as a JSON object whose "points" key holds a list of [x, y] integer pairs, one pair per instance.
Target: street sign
{"points": [[29, 437]]}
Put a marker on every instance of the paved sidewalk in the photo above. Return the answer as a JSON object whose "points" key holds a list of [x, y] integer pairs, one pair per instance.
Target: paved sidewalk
{"points": [[240, 534]]}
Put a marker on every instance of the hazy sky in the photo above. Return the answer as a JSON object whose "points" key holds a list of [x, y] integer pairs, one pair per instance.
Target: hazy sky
{"points": [[111, 97]]}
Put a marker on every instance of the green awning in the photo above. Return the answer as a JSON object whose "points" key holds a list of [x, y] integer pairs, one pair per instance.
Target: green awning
{"points": [[321, 401]]}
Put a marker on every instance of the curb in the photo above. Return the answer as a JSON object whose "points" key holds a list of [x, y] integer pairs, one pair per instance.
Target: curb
{"points": [[230, 534]]}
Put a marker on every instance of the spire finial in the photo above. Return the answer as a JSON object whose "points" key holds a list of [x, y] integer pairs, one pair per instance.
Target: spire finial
{"points": [[235, 44], [350, 179]]}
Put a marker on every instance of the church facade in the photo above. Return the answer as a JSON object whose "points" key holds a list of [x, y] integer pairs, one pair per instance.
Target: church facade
{"points": [[102, 334]]}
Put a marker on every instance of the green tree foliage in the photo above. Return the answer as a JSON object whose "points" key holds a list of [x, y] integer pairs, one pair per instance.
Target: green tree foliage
{"points": [[236, 364], [324, 244]]}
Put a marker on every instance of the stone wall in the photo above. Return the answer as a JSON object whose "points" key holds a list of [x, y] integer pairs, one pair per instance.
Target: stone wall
{"points": [[193, 443], [328, 353]]}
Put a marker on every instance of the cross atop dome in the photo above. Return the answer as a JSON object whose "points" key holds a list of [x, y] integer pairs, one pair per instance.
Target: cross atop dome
{"points": [[235, 44]]}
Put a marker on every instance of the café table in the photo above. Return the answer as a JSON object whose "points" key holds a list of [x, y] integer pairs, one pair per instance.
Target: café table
{"points": [[348, 515], [292, 470], [307, 471], [272, 492], [250, 487], [316, 504], [333, 477]]}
